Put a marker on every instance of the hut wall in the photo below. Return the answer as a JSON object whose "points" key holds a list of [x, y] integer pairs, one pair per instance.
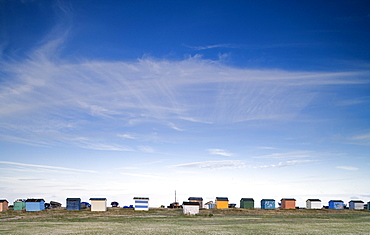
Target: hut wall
{"points": [[336, 204], [3, 205], [35, 206], [247, 203], [287, 203], [356, 205], [313, 204], [141, 203], [73, 204], [190, 208], [98, 204], [210, 206], [19, 205], [267, 204], [222, 203]]}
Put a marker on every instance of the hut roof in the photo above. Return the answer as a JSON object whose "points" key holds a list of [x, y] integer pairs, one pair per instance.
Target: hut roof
{"points": [[191, 203], [247, 199], [288, 199], [98, 199], [335, 201], [314, 200], [145, 198], [3, 200], [195, 198], [356, 201], [268, 200], [222, 199], [35, 200]]}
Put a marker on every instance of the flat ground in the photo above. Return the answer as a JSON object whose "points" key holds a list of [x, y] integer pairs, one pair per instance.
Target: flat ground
{"points": [[171, 221]]}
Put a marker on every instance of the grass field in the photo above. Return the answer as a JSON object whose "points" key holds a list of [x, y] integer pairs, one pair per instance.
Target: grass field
{"points": [[171, 221]]}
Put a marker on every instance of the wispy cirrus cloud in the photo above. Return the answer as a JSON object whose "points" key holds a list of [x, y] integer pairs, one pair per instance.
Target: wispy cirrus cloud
{"points": [[229, 164], [65, 169], [284, 164], [146, 91], [361, 139], [146, 149], [347, 168], [221, 152], [288, 155], [199, 48], [127, 136]]}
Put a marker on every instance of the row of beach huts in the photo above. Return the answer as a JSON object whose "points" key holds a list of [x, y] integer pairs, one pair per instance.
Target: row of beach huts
{"points": [[191, 206]]}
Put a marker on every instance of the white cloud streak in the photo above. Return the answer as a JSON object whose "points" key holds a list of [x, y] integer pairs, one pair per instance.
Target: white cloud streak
{"points": [[288, 155], [45, 167], [126, 136], [285, 164], [228, 164], [200, 48], [221, 152], [363, 139], [347, 168], [232, 164]]}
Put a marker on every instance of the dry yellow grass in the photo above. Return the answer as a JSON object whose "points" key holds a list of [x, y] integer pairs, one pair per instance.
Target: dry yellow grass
{"points": [[171, 221]]}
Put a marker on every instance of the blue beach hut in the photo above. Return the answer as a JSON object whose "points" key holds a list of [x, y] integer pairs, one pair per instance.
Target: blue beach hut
{"points": [[35, 204], [73, 204], [267, 204], [336, 204]]}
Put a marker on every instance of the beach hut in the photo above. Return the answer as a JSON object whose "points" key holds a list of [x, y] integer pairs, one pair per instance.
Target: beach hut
{"points": [[73, 204], [19, 204], [141, 203], [247, 203], [222, 202], [210, 205], [336, 204], [98, 204], [190, 208], [3, 205], [267, 204], [287, 203], [197, 199], [313, 204], [368, 205], [35, 204], [356, 205]]}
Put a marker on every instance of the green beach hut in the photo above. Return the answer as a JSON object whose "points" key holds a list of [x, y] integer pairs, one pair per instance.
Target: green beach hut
{"points": [[247, 203], [19, 205]]}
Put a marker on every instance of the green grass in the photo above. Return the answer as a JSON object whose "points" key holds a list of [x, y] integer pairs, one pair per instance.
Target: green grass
{"points": [[166, 221]]}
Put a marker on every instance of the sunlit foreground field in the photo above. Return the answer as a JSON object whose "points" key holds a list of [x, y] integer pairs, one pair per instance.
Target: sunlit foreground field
{"points": [[171, 221]]}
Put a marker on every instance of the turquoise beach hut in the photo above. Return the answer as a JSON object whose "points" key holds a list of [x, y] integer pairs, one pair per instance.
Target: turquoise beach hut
{"points": [[267, 204]]}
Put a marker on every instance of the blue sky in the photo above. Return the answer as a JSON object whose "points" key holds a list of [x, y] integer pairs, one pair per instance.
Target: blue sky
{"points": [[116, 99]]}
